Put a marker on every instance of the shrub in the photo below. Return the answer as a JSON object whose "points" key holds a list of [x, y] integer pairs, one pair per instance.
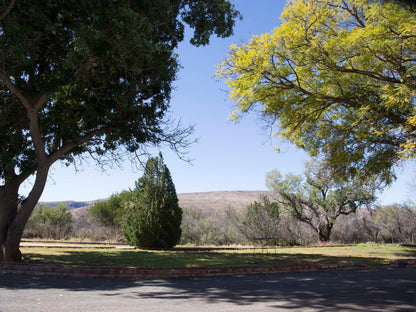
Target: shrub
{"points": [[201, 229], [152, 216], [49, 222]]}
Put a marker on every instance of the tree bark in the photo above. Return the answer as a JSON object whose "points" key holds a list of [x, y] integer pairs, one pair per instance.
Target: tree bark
{"points": [[14, 215], [324, 232], [8, 212]]}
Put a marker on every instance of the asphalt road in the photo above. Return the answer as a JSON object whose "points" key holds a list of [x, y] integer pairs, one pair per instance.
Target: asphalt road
{"points": [[373, 290]]}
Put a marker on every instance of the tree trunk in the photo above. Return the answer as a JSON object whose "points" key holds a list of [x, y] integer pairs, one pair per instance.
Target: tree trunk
{"points": [[14, 215], [9, 248], [8, 212], [324, 232]]}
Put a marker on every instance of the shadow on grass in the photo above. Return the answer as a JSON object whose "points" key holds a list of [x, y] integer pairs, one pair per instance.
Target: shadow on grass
{"points": [[179, 259]]}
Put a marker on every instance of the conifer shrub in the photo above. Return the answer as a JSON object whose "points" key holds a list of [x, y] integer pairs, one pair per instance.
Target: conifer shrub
{"points": [[152, 216]]}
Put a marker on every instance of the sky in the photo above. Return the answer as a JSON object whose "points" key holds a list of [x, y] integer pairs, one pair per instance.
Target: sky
{"points": [[228, 156]]}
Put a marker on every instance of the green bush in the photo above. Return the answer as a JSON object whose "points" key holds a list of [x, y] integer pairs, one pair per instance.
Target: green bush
{"points": [[200, 229], [108, 212], [152, 216], [49, 222]]}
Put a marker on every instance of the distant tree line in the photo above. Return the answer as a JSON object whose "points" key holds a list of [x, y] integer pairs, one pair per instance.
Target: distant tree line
{"points": [[316, 208], [384, 224], [258, 224]]}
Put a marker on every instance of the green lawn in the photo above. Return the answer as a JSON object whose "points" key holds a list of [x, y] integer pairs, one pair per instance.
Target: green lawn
{"points": [[371, 254]]}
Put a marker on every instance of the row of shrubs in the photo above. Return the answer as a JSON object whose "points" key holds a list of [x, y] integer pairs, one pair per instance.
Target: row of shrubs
{"points": [[386, 224]]}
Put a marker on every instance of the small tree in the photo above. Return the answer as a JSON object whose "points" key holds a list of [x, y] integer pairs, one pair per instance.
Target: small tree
{"points": [[109, 212], [320, 199], [50, 222], [152, 215], [261, 220]]}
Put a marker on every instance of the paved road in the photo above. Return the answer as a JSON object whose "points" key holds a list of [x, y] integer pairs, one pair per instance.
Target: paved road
{"points": [[372, 290]]}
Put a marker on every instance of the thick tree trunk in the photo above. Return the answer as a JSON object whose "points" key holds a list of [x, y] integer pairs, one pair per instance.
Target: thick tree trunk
{"points": [[323, 238], [8, 212], [324, 232], [9, 249], [14, 215]]}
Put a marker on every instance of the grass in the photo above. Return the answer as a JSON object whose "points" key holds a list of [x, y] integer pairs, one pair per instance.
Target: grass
{"points": [[370, 254]]}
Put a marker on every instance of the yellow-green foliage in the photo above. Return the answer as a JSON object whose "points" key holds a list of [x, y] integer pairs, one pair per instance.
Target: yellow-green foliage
{"points": [[338, 77]]}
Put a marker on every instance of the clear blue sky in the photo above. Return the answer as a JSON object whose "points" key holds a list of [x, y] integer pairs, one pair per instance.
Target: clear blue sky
{"points": [[228, 156]]}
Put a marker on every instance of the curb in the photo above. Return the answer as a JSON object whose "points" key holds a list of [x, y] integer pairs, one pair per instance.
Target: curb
{"points": [[137, 273], [62, 270]]}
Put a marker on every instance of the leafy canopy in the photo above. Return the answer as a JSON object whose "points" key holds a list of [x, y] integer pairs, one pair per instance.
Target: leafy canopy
{"points": [[93, 77], [337, 78]]}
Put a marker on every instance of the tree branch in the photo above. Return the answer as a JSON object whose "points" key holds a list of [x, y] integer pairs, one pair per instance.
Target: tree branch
{"points": [[8, 9], [9, 84], [69, 146]]}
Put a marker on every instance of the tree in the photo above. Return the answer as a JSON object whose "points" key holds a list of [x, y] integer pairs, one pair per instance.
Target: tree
{"points": [[397, 223], [201, 228], [336, 78], [152, 217], [88, 78], [50, 222], [261, 221], [109, 212], [319, 199]]}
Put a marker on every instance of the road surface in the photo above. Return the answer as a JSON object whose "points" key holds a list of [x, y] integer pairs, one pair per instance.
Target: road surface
{"points": [[372, 290]]}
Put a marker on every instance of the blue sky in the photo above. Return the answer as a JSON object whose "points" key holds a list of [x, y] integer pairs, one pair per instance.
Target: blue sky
{"points": [[227, 156]]}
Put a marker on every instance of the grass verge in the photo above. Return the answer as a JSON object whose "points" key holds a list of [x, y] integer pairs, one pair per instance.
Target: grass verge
{"points": [[370, 254]]}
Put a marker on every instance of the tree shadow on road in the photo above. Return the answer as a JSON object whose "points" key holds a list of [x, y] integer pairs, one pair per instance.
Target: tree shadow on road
{"points": [[372, 290]]}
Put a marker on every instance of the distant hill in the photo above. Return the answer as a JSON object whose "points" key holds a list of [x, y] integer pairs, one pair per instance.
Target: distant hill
{"points": [[70, 203], [213, 204]]}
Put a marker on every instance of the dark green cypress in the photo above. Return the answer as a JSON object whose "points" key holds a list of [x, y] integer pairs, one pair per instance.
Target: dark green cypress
{"points": [[152, 216]]}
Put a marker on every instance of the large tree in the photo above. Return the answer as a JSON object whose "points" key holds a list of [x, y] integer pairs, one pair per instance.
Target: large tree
{"points": [[87, 78], [338, 79], [320, 198]]}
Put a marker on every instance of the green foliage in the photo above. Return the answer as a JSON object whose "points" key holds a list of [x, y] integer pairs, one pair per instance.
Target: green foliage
{"points": [[261, 220], [50, 222], [267, 223], [109, 212], [152, 216], [88, 78], [200, 229], [319, 199], [101, 70], [337, 78]]}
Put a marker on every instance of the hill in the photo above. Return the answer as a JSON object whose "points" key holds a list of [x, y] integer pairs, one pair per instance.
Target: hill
{"points": [[213, 204], [69, 203]]}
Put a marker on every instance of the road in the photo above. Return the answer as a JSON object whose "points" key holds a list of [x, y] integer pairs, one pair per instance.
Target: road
{"points": [[372, 290]]}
